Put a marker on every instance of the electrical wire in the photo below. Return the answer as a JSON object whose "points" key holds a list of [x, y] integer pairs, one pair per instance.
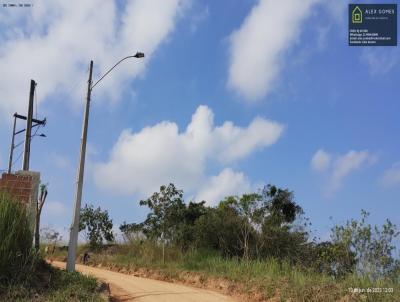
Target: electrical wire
{"points": [[19, 156], [32, 136], [15, 161], [79, 80], [20, 143], [36, 130]]}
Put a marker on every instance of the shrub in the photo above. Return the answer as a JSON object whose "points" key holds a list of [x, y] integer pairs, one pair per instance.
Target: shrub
{"points": [[373, 247]]}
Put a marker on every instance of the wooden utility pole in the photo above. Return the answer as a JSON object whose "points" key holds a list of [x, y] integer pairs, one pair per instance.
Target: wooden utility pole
{"points": [[39, 207], [27, 149], [12, 146]]}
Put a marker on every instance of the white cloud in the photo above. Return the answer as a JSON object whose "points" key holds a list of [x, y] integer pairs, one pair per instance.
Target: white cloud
{"points": [[348, 163], [233, 142], [59, 39], [256, 48], [60, 161], [391, 177], [337, 11], [321, 160], [141, 162], [341, 167], [380, 61], [227, 183], [54, 209], [198, 18]]}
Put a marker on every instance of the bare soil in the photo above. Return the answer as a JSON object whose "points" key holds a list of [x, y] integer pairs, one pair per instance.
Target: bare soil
{"points": [[125, 287]]}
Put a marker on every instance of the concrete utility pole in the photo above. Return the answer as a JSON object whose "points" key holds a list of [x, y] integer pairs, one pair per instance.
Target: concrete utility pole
{"points": [[73, 237], [27, 149]]}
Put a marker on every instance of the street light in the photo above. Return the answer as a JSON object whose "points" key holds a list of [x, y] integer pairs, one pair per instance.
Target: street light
{"points": [[73, 237], [138, 55]]}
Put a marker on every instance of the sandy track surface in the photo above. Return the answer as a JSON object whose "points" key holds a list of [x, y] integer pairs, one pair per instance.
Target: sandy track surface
{"points": [[130, 288]]}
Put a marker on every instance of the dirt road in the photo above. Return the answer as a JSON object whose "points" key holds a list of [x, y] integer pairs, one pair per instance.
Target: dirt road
{"points": [[130, 288]]}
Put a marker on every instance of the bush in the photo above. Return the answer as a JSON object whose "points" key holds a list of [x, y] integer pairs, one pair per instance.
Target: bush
{"points": [[373, 247], [17, 258], [334, 259]]}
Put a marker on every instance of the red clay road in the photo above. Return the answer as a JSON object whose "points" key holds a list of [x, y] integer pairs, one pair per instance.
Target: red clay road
{"points": [[130, 288]]}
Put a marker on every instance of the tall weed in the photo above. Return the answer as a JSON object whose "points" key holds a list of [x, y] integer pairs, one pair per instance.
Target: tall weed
{"points": [[17, 257]]}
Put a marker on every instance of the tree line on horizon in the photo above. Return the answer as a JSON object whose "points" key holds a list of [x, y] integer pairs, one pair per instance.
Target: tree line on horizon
{"points": [[256, 226]]}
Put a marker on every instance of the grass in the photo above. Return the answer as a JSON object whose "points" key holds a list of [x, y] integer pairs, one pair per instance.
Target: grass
{"points": [[51, 284], [24, 276], [17, 258], [264, 279]]}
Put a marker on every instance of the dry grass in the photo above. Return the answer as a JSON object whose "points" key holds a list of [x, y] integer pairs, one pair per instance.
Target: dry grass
{"points": [[267, 280]]}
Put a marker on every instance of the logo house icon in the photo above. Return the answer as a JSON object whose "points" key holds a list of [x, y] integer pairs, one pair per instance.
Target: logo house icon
{"points": [[356, 15]]}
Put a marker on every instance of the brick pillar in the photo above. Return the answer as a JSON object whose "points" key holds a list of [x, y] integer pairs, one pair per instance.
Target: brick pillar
{"points": [[24, 187]]}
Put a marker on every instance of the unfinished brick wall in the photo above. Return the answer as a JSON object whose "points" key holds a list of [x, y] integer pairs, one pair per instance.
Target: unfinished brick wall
{"points": [[18, 186], [24, 187]]}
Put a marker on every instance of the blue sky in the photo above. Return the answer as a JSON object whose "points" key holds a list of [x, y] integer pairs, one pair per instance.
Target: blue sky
{"points": [[231, 95]]}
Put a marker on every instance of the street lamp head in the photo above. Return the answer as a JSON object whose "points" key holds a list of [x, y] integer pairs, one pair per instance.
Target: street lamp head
{"points": [[42, 135], [139, 55]]}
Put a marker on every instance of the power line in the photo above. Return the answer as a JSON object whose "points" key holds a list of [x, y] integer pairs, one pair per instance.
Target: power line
{"points": [[20, 143], [37, 129], [78, 81], [34, 134], [19, 156]]}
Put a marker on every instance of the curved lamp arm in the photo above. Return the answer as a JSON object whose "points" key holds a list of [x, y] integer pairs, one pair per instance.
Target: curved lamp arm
{"points": [[137, 55]]}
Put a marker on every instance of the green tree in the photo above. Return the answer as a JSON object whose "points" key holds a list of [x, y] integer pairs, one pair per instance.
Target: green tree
{"points": [[185, 230], [169, 219], [50, 236], [280, 205], [333, 258], [283, 231], [218, 229], [167, 208], [255, 225], [97, 224], [250, 212], [132, 231], [372, 246]]}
